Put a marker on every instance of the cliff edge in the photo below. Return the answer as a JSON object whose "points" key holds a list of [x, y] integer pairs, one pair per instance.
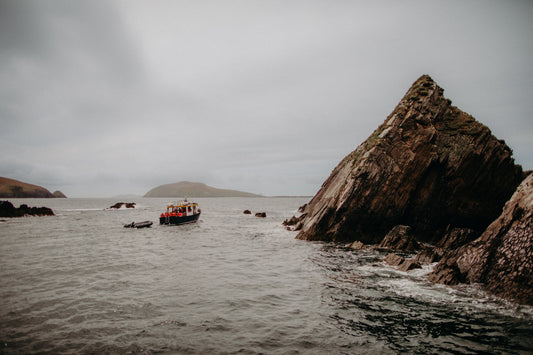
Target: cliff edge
{"points": [[429, 166]]}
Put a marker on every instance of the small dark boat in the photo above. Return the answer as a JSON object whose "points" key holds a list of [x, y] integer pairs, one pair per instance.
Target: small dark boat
{"points": [[180, 213], [144, 224]]}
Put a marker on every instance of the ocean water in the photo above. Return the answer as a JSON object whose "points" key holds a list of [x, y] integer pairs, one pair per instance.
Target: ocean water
{"points": [[80, 283]]}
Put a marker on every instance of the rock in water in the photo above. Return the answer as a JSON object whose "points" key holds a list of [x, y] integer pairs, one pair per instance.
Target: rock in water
{"points": [[502, 257], [393, 259], [399, 238], [429, 166], [8, 210]]}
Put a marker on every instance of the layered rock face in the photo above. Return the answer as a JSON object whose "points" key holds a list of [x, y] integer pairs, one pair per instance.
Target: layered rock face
{"points": [[429, 166], [502, 257]]}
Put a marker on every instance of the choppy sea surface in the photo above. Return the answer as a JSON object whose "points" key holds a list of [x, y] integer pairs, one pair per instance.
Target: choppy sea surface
{"points": [[79, 282]]}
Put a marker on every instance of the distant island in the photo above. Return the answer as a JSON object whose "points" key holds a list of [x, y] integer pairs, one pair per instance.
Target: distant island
{"points": [[194, 189], [59, 194], [10, 188]]}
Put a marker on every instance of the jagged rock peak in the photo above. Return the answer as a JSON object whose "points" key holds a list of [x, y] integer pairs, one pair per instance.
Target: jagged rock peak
{"points": [[429, 165]]}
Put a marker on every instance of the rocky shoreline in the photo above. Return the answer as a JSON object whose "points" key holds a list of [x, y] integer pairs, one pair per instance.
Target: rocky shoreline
{"points": [[433, 180]]}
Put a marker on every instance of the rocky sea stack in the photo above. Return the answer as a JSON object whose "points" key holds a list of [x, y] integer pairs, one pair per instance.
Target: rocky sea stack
{"points": [[429, 166], [434, 180]]}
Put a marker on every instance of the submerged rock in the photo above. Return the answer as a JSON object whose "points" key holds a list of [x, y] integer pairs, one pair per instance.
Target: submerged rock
{"points": [[293, 224], [502, 257], [430, 166], [456, 237]]}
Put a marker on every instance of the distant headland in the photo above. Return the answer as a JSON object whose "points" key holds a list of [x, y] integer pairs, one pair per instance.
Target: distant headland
{"points": [[194, 189], [10, 188]]}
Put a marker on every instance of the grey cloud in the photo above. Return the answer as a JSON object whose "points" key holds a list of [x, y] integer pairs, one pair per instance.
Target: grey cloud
{"points": [[112, 97]]}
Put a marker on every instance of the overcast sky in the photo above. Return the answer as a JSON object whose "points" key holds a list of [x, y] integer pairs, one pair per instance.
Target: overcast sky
{"points": [[101, 98]]}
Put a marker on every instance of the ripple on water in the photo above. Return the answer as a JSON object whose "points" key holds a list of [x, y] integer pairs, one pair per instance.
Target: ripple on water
{"points": [[81, 283]]}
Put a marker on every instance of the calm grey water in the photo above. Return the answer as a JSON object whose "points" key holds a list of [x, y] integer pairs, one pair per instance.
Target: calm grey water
{"points": [[232, 283]]}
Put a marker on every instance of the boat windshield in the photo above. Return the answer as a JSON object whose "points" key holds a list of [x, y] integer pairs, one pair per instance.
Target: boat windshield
{"points": [[182, 208]]}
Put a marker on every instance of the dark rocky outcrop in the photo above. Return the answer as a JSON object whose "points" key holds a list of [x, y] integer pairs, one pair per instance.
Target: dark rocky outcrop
{"points": [[502, 257], [291, 222], [402, 263], [247, 212], [10, 188], [409, 264], [399, 238], [429, 254], [394, 259], [119, 205], [357, 246], [294, 223], [429, 166], [261, 214], [8, 210]]}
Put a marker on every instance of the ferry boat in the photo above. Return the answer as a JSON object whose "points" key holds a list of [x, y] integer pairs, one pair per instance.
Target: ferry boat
{"points": [[180, 212]]}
